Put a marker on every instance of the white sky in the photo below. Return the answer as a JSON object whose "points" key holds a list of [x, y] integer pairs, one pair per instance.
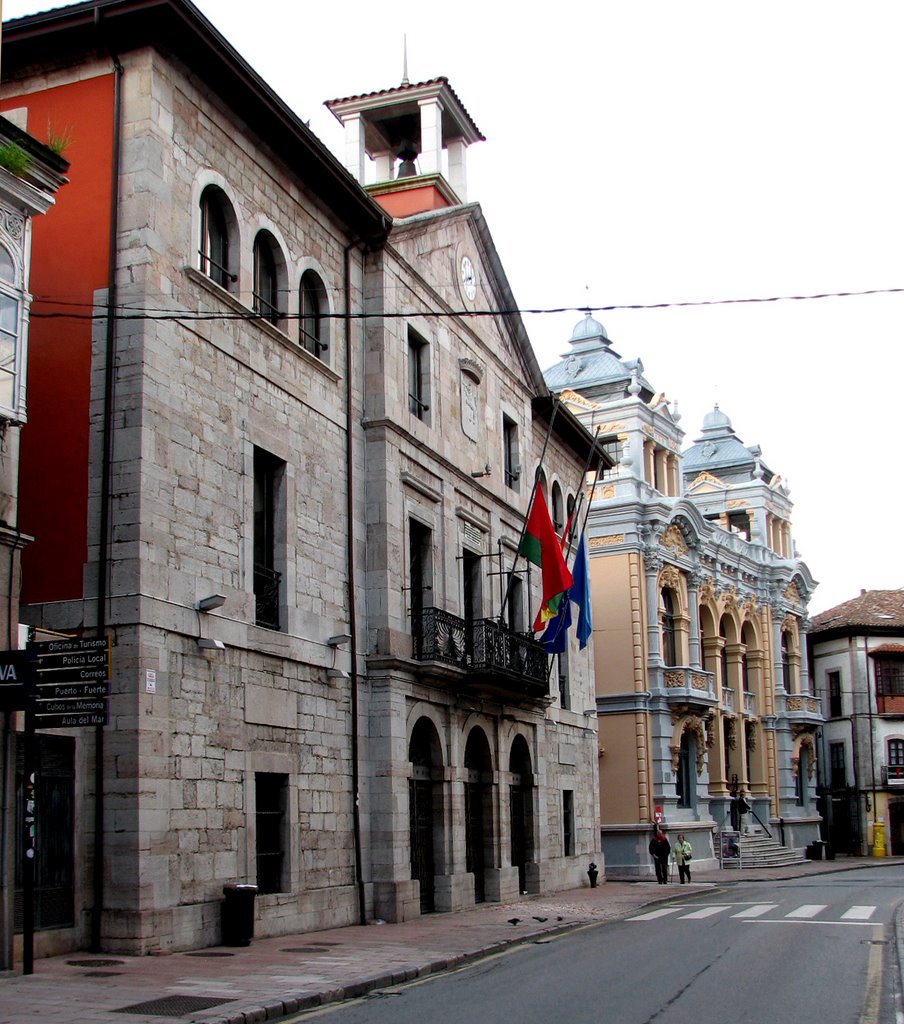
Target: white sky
{"points": [[665, 152]]}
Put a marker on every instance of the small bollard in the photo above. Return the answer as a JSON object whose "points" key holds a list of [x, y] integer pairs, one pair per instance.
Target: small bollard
{"points": [[593, 874]]}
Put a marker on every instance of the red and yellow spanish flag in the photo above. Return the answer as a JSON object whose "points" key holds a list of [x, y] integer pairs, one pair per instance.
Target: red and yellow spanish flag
{"points": [[541, 546]]}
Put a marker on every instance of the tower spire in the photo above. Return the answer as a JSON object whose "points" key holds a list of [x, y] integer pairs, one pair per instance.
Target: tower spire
{"points": [[405, 59]]}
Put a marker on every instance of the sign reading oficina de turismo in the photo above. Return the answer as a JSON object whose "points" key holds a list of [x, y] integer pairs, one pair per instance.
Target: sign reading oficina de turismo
{"points": [[73, 687]]}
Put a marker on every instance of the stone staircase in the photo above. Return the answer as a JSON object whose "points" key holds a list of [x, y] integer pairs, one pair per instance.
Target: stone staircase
{"points": [[760, 851]]}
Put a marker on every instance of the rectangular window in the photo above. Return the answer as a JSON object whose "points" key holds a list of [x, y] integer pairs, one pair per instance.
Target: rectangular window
{"points": [[514, 608], [834, 681], [895, 768], [418, 376], [836, 765], [270, 799], [568, 822], [889, 676], [472, 597], [269, 537], [564, 688], [420, 572], [510, 461]]}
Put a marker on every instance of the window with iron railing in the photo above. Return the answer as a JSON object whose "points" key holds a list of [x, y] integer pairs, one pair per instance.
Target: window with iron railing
{"points": [[418, 376], [269, 538], [270, 791]]}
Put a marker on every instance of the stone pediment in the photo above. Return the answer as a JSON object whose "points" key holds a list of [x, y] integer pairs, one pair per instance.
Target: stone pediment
{"points": [[705, 482]]}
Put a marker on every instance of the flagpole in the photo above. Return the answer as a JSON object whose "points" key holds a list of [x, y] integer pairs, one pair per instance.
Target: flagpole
{"points": [[571, 532], [556, 402]]}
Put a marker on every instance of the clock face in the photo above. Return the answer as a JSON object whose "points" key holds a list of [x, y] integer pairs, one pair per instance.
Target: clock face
{"points": [[468, 277]]}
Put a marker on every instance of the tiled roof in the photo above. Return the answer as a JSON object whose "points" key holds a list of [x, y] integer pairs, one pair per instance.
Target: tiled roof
{"points": [[874, 609]]}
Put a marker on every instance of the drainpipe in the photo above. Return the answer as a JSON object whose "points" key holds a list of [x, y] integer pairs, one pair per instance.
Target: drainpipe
{"points": [[872, 753], [350, 558], [106, 469]]}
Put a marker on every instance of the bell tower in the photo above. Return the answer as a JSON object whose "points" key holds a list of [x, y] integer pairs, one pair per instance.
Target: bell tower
{"points": [[417, 136]]}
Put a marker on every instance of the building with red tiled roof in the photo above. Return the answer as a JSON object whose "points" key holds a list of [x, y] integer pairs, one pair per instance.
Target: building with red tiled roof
{"points": [[857, 657]]}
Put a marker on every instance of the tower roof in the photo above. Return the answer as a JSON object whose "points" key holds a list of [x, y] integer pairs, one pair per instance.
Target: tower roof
{"points": [[719, 450], [593, 368], [391, 114]]}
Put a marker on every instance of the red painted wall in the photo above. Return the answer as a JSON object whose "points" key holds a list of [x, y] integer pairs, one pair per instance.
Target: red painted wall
{"points": [[68, 262]]}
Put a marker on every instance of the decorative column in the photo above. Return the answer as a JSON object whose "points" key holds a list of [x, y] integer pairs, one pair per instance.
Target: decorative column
{"points": [[693, 611], [652, 564], [354, 146], [431, 135], [457, 168], [803, 627], [778, 614]]}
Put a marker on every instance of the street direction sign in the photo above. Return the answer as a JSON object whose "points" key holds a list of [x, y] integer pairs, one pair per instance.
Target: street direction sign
{"points": [[70, 721], [72, 682]]}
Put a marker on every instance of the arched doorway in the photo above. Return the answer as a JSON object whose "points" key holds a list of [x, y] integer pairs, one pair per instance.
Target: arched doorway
{"points": [[425, 808], [521, 806], [478, 810]]}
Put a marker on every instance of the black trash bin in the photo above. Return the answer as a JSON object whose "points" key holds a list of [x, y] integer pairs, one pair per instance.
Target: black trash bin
{"points": [[238, 914], [814, 851]]}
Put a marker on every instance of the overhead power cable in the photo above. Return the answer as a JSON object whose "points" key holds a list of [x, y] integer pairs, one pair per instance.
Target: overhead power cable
{"points": [[151, 313]]}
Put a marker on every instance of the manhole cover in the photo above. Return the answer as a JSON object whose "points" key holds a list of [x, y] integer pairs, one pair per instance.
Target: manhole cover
{"points": [[174, 1006], [212, 952], [96, 963]]}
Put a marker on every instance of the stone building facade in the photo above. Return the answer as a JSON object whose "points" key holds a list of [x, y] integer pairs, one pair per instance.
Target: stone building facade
{"points": [[699, 605], [857, 653], [294, 483]]}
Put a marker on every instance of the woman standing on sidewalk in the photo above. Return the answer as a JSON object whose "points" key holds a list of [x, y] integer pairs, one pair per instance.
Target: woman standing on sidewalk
{"points": [[683, 856]]}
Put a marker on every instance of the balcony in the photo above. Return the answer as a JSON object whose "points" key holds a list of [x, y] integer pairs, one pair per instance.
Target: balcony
{"points": [[802, 708], [688, 686], [893, 775], [491, 656]]}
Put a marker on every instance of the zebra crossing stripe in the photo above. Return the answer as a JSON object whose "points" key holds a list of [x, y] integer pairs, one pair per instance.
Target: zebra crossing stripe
{"points": [[807, 910], [651, 915], [697, 915], [858, 914], [757, 911]]}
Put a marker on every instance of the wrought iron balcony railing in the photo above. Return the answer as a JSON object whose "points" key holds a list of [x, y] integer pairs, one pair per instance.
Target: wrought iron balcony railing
{"points": [[487, 650]]}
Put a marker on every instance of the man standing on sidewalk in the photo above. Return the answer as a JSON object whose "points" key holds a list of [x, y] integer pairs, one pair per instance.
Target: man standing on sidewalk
{"points": [[660, 848]]}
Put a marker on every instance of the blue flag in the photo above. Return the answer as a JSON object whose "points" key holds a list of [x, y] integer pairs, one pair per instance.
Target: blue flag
{"points": [[580, 592], [555, 636]]}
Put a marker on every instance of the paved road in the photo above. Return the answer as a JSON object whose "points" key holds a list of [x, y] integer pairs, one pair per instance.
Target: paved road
{"points": [[810, 951]]}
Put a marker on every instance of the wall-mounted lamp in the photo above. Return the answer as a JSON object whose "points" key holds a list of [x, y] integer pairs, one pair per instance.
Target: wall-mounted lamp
{"points": [[336, 673], [339, 639], [210, 645], [209, 603], [589, 712], [486, 471]]}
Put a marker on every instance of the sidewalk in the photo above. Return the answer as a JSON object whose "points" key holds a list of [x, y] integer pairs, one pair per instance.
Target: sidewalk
{"points": [[275, 977]]}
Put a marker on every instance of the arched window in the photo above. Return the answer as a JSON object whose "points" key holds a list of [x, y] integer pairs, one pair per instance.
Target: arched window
{"points": [[667, 618], [558, 510], [9, 334], [314, 332], [786, 663], [266, 277], [218, 230]]}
